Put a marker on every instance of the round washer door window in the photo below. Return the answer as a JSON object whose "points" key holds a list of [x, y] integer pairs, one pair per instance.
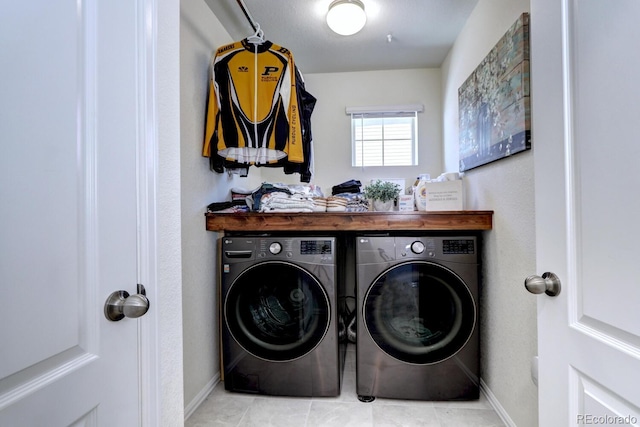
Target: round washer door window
{"points": [[419, 312], [277, 311]]}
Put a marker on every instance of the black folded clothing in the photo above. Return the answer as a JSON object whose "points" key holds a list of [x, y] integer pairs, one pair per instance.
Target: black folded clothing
{"points": [[351, 186], [218, 206]]}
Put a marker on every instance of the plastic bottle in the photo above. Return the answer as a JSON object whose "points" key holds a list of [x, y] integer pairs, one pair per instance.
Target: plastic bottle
{"points": [[420, 192]]}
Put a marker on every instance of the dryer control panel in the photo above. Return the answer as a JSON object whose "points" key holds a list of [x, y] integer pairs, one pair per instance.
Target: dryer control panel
{"points": [[455, 248], [375, 249]]}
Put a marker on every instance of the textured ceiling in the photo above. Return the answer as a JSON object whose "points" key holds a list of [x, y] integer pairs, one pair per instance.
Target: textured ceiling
{"points": [[422, 32]]}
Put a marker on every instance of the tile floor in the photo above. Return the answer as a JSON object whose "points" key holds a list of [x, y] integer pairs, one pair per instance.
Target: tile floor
{"points": [[223, 408]]}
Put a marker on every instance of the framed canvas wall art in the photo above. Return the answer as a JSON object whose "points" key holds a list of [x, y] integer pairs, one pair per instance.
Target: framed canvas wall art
{"points": [[494, 102]]}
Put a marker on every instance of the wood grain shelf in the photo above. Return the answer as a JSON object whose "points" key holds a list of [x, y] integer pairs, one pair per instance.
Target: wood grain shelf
{"points": [[351, 221]]}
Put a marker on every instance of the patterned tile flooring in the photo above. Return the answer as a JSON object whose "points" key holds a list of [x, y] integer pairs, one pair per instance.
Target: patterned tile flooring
{"points": [[223, 408]]}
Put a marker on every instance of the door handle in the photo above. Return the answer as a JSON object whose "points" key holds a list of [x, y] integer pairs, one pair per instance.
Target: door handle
{"points": [[549, 283], [120, 305]]}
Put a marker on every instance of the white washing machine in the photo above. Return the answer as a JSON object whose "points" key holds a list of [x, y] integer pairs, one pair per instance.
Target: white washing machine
{"points": [[280, 315], [417, 301]]}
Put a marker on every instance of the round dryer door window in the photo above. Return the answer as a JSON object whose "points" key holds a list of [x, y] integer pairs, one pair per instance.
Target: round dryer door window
{"points": [[419, 312], [277, 311]]}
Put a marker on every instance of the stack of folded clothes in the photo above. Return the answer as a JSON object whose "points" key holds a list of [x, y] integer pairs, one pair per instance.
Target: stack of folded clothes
{"points": [[336, 204], [289, 198], [282, 202], [351, 192], [356, 202], [238, 193], [319, 204]]}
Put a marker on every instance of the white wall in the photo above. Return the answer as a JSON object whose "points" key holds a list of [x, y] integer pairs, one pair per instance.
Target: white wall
{"points": [[331, 127], [200, 35], [508, 313]]}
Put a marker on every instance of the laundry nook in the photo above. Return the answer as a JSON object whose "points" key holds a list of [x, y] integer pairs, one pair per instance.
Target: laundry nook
{"points": [[350, 250], [319, 213]]}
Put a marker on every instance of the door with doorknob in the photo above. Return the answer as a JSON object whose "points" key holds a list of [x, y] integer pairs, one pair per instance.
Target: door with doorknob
{"points": [[72, 90], [584, 66]]}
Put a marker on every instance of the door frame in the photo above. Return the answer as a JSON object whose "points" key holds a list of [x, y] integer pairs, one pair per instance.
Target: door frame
{"points": [[157, 35], [149, 387]]}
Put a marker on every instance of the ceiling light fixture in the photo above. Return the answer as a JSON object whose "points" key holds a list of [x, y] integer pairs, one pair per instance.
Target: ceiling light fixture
{"points": [[346, 17]]}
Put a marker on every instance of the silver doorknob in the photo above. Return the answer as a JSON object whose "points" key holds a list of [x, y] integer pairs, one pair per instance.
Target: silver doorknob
{"points": [[549, 283], [120, 305]]}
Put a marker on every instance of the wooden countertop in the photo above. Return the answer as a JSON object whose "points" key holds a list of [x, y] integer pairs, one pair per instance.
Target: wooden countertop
{"points": [[350, 221]]}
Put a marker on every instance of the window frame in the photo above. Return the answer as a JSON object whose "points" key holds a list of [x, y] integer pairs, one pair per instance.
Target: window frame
{"points": [[360, 114]]}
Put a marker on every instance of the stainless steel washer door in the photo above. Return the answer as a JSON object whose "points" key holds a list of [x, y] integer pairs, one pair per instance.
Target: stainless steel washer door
{"points": [[277, 311], [419, 312]]}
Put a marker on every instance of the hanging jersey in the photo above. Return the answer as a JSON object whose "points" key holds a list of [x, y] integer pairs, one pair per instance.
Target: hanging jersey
{"points": [[306, 103], [253, 115]]}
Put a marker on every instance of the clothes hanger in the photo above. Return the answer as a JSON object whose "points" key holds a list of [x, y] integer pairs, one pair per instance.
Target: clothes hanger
{"points": [[257, 37]]}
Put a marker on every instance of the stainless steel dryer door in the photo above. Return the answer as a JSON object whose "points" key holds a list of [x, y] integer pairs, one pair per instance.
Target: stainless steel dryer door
{"points": [[419, 312], [277, 311]]}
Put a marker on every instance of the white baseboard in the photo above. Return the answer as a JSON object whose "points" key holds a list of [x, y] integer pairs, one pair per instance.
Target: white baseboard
{"points": [[201, 396], [496, 404]]}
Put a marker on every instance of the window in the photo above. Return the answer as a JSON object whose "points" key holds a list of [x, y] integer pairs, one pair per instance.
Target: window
{"points": [[384, 138]]}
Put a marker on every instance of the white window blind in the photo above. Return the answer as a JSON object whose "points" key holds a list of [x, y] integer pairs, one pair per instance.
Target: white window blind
{"points": [[384, 136]]}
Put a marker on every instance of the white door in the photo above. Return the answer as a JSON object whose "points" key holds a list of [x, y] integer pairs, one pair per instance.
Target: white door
{"points": [[585, 60], [69, 125]]}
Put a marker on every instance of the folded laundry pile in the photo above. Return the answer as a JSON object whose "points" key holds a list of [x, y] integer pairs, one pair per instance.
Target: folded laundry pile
{"points": [[348, 197], [285, 198], [276, 197], [355, 202], [319, 204], [278, 201], [336, 204], [344, 202]]}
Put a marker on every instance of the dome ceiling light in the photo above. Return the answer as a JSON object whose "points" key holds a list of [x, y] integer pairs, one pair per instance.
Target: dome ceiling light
{"points": [[346, 17]]}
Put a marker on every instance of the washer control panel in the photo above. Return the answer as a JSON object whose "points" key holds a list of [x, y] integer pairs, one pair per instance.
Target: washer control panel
{"points": [[315, 247]]}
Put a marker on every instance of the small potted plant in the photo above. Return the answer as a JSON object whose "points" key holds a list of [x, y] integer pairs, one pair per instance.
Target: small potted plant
{"points": [[382, 194]]}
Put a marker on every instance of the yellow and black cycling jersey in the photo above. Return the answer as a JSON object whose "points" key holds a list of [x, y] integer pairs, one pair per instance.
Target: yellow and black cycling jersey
{"points": [[253, 116]]}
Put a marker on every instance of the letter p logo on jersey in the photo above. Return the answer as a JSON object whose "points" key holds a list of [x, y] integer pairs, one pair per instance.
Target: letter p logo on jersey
{"points": [[269, 70]]}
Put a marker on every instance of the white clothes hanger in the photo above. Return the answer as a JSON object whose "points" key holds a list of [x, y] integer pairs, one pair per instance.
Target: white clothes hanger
{"points": [[257, 37]]}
